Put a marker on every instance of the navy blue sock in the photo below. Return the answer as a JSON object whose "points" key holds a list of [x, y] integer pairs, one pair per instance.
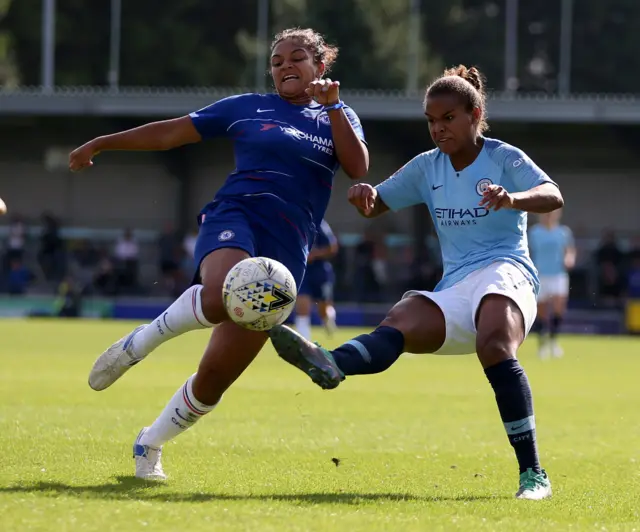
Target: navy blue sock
{"points": [[370, 353], [539, 326], [556, 321], [539, 329], [515, 403]]}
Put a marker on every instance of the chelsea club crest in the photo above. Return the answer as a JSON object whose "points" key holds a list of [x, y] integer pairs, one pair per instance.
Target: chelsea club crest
{"points": [[323, 118], [226, 235]]}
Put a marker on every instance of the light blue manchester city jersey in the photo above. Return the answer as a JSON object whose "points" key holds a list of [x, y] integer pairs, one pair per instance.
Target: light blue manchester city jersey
{"points": [[471, 237], [548, 248]]}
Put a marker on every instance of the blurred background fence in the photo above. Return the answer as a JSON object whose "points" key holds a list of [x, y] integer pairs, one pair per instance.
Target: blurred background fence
{"points": [[564, 81]]}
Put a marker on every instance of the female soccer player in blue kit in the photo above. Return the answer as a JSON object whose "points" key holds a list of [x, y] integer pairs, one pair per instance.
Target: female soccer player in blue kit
{"points": [[288, 147], [317, 286], [478, 191]]}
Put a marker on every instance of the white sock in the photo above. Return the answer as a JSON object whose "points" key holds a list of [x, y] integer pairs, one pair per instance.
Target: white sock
{"points": [[182, 411], [331, 316], [184, 315], [303, 326]]}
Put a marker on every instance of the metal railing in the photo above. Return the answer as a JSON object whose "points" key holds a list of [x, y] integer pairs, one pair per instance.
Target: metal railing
{"points": [[369, 103]]}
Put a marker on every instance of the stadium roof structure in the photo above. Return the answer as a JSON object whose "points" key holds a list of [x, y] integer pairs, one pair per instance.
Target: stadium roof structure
{"points": [[370, 104]]}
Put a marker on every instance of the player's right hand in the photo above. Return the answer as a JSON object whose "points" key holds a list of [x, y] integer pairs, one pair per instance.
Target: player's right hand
{"points": [[363, 197], [81, 157]]}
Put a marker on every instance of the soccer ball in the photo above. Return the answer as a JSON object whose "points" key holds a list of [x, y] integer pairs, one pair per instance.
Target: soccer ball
{"points": [[259, 293]]}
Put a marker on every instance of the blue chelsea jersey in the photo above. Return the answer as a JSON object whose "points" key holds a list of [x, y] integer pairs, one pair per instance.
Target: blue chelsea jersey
{"points": [[281, 150], [471, 237]]}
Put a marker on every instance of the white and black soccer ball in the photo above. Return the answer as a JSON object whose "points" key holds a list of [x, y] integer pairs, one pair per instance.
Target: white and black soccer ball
{"points": [[259, 293]]}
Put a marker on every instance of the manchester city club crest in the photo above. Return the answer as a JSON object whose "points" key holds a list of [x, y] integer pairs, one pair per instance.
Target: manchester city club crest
{"points": [[482, 185]]}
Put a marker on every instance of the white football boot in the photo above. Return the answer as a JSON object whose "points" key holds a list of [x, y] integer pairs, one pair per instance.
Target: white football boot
{"points": [[556, 349], [148, 460], [115, 362], [534, 486], [544, 349], [330, 327]]}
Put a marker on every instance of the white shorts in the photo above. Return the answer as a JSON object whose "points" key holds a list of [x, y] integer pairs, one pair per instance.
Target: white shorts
{"points": [[553, 286], [459, 303]]}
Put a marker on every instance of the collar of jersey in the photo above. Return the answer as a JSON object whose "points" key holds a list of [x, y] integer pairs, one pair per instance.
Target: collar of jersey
{"points": [[466, 168]]}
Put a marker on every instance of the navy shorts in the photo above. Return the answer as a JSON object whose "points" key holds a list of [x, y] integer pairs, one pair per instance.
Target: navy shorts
{"points": [[256, 228], [318, 282]]}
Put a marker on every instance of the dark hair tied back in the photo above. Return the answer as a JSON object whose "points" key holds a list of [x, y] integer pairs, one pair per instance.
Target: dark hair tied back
{"points": [[468, 84]]}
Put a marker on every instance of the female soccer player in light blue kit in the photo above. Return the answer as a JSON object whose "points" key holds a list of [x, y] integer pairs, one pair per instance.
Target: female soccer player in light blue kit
{"points": [[478, 191], [554, 253]]}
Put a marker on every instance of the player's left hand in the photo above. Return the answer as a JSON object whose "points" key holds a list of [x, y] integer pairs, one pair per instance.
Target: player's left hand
{"points": [[324, 91], [495, 198]]}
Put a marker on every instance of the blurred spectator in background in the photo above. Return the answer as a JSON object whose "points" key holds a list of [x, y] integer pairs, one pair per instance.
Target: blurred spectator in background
{"points": [[370, 268], [424, 271], [169, 258], [16, 240], [633, 277], [610, 284], [18, 278], [84, 260], [189, 243], [127, 256], [69, 304], [51, 255], [609, 250], [189, 248], [581, 277], [609, 263], [634, 249], [105, 279]]}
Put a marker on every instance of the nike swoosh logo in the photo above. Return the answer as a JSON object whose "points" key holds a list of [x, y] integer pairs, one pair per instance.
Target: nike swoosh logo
{"points": [[433, 187], [514, 427], [264, 110]]}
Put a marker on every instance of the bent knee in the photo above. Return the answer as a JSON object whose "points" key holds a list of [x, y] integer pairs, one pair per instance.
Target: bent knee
{"points": [[493, 350], [402, 316], [421, 322], [212, 303]]}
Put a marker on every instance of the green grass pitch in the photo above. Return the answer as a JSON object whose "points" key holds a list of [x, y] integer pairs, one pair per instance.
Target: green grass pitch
{"points": [[420, 447]]}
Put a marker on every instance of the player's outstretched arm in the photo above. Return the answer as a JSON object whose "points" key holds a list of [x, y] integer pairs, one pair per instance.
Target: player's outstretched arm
{"points": [[156, 136], [366, 199]]}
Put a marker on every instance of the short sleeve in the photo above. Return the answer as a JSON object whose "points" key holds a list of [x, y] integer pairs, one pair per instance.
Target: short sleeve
{"points": [[355, 122], [403, 189], [215, 119], [524, 173]]}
